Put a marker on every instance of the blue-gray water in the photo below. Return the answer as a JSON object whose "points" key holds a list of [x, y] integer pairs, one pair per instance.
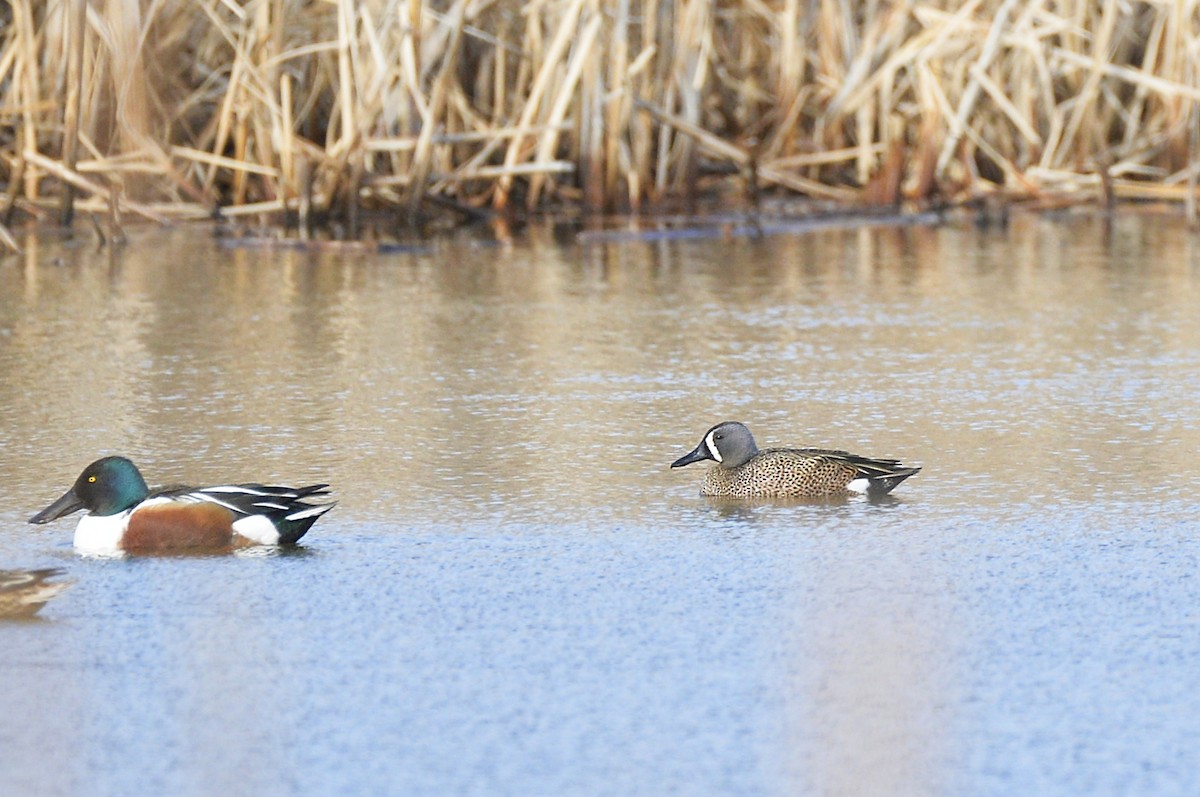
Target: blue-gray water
{"points": [[516, 596]]}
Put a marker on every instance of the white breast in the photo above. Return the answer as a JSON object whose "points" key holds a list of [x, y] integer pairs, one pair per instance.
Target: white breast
{"points": [[98, 535]]}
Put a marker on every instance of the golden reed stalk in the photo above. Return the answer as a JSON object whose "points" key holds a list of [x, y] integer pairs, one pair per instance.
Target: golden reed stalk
{"points": [[177, 107]]}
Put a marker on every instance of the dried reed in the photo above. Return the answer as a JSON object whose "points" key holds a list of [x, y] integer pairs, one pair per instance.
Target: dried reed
{"points": [[173, 108]]}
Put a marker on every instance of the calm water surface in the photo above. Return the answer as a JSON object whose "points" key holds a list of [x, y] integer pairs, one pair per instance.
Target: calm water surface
{"points": [[517, 596]]}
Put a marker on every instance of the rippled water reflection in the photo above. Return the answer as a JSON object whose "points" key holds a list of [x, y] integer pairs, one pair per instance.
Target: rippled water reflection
{"points": [[516, 596]]}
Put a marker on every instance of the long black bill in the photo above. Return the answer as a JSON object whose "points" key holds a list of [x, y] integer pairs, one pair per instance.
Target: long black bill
{"points": [[699, 454], [63, 506]]}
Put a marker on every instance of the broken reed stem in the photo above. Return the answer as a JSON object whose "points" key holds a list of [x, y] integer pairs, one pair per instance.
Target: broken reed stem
{"points": [[1193, 154], [29, 88], [423, 155], [548, 142], [76, 17], [8, 242], [285, 104], [81, 182]]}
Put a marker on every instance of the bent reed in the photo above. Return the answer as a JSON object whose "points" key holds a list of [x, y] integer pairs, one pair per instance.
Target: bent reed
{"points": [[328, 108]]}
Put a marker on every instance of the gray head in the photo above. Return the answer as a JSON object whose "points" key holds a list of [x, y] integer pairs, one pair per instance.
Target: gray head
{"points": [[729, 444]]}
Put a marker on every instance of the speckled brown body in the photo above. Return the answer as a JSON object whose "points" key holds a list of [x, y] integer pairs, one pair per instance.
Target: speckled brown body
{"points": [[745, 471], [781, 473]]}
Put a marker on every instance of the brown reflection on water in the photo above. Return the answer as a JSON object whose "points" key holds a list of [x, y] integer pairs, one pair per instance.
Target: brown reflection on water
{"points": [[526, 370]]}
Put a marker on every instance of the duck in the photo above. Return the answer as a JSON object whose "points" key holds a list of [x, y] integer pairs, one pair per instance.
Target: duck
{"points": [[742, 470], [24, 592], [126, 516]]}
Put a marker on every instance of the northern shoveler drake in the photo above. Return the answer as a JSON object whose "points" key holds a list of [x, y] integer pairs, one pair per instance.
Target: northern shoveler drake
{"points": [[744, 471], [23, 592], [125, 515]]}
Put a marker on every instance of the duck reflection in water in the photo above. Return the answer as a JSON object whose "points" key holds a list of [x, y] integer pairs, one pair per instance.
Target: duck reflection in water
{"points": [[24, 592]]}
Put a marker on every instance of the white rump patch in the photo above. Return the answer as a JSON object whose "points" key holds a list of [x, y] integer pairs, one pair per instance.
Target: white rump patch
{"points": [[711, 445], [859, 485], [257, 528]]}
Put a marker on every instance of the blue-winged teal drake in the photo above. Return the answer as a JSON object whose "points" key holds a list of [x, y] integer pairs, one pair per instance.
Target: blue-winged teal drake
{"points": [[23, 592], [744, 471], [125, 515]]}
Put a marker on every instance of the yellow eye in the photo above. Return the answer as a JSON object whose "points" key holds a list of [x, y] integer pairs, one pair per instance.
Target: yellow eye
{"points": [[91, 479]]}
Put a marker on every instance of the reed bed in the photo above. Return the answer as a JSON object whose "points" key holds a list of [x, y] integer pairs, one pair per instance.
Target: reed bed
{"points": [[315, 110]]}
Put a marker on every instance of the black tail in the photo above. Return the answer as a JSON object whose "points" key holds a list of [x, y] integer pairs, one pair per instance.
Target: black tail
{"points": [[300, 519], [883, 484]]}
